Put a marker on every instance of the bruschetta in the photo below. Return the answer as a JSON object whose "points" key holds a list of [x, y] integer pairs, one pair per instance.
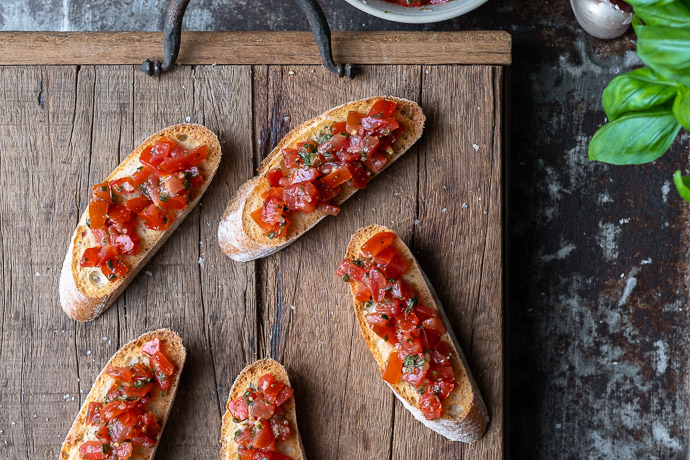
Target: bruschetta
{"points": [[124, 413], [407, 331], [313, 170], [132, 213], [260, 421]]}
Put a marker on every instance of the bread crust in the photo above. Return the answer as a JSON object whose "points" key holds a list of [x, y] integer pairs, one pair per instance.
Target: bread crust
{"points": [[465, 416], [84, 293], [293, 446], [241, 238], [174, 350]]}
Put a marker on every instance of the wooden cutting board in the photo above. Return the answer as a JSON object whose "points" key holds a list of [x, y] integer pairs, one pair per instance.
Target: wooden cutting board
{"points": [[67, 120]]}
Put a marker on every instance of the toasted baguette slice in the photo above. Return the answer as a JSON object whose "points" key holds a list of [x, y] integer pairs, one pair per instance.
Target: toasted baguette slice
{"points": [[128, 355], [292, 447], [243, 240], [85, 293], [465, 417]]}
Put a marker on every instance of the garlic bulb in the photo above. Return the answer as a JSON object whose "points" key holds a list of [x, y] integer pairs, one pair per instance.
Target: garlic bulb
{"points": [[602, 18]]}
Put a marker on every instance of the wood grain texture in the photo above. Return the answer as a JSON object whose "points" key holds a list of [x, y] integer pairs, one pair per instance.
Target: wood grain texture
{"points": [[66, 127], [466, 47]]}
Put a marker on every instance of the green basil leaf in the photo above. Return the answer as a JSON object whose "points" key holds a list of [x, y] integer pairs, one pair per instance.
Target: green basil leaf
{"points": [[634, 138], [681, 107], [638, 90], [666, 50], [655, 3], [674, 14], [682, 184]]}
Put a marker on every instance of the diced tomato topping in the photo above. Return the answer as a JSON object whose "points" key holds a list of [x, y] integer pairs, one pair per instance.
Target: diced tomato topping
{"points": [[329, 209], [162, 368], [377, 284], [360, 176], [429, 339], [244, 437], [114, 269], [93, 416], [290, 157], [274, 176], [174, 184], [121, 374], [261, 409], [434, 324], [379, 319], [354, 122], [257, 217], [387, 333], [334, 144], [300, 175], [284, 395], [396, 267], [442, 388], [98, 211], [393, 368], [338, 176], [238, 408], [269, 387], [377, 243], [382, 109], [348, 270], [416, 368], [127, 244], [101, 192], [94, 450], [90, 258], [123, 451], [176, 203], [262, 437], [281, 428], [156, 218], [301, 197], [430, 406]]}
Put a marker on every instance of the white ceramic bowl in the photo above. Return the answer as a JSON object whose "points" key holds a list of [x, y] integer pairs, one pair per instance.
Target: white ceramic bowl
{"points": [[416, 15]]}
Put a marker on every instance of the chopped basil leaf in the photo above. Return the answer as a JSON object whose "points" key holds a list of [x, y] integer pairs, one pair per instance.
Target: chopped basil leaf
{"points": [[358, 262], [411, 303], [105, 448], [144, 191], [112, 277], [346, 277], [88, 222], [271, 235], [110, 265], [385, 338], [163, 197], [384, 316], [104, 188], [421, 390]]}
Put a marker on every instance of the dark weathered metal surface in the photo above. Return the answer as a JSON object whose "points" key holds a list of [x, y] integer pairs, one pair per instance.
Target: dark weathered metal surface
{"points": [[598, 262], [173, 35]]}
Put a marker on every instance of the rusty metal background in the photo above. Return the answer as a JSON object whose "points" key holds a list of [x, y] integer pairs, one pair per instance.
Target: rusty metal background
{"points": [[597, 269]]}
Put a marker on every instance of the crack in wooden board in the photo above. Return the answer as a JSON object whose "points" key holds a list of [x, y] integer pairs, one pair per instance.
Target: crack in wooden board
{"points": [[77, 123]]}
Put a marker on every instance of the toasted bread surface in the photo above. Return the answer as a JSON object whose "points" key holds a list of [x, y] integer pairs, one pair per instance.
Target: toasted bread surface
{"points": [[85, 293], [465, 417], [243, 240], [292, 447], [128, 355]]}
